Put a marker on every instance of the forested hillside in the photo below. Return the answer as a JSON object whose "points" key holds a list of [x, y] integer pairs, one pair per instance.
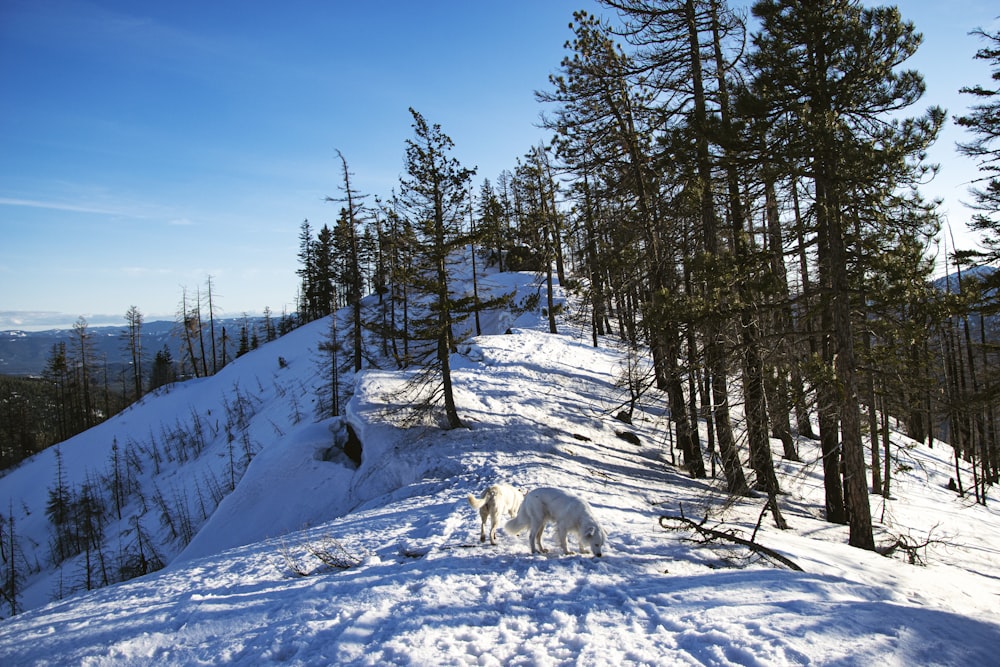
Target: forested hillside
{"points": [[57, 383]]}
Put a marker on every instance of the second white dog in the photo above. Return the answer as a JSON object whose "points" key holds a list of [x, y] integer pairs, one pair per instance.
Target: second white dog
{"points": [[569, 513], [498, 500]]}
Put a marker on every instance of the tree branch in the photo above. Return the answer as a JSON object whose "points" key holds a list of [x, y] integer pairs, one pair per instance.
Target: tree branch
{"points": [[711, 534]]}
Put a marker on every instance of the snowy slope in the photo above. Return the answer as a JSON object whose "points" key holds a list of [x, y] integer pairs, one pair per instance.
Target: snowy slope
{"points": [[406, 581]]}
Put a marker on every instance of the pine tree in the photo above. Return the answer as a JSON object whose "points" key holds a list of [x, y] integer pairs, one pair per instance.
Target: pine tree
{"points": [[605, 134], [433, 194], [349, 254], [59, 511], [133, 333], [399, 246], [210, 298], [57, 373], [190, 330], [829, 67], [163, 371], [983, 121], [83, 349], [307, 273], [538, 184], [11, 561], [324, 290], [492, 223]]}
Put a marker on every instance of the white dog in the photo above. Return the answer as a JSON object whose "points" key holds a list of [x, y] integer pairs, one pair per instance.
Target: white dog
{"points": [[570, 514], [498, 500]]}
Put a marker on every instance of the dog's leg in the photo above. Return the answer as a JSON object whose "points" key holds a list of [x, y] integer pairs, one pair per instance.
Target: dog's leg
{"points": [[536, 537], [495, 519], [563, 541], [483, 513]]}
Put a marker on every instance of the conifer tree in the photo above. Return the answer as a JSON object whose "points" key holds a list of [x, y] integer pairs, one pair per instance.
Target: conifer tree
{"points": [[399, 246], [983, 122], [307, 273], [348, 251], [57, 373], [325, 297], [210, 300], [133, 333], [58, 510], [433, 193], [11, 561], [830, 67], [670, 84], [163, 371], [492, 223], [83, 350], [190, 326]]}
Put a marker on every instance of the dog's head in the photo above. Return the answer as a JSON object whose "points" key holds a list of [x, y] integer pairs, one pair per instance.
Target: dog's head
{"points": [[594, 537]]}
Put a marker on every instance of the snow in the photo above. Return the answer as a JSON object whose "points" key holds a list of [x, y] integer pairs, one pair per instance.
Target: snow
{"points": [[406, 580]]}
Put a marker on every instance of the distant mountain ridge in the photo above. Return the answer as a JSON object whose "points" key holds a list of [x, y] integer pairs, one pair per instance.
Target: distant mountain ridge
{"points": [[950, 282], [27, 352]]}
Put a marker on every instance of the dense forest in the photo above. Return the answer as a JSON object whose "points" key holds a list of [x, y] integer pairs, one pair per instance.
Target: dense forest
{"points": [[736, 198]]}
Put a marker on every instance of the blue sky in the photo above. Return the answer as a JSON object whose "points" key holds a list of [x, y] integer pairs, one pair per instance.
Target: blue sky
{"points": [[147, 146]]}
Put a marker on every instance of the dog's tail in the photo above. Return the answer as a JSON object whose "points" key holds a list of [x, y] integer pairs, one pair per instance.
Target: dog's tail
{"points": [[517, 524], [477, 502]]}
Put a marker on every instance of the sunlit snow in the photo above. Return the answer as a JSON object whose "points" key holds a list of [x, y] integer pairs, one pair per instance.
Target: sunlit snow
{"points": [[405, 579]]}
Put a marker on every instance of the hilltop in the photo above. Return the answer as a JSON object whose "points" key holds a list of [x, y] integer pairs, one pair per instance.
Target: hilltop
{"points": [[314, 560]]}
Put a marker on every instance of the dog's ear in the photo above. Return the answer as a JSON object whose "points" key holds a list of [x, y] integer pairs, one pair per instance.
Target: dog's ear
{"points": [[591, 530]]}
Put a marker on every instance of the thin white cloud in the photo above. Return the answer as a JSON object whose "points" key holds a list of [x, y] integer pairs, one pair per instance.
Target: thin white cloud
{"points": [[120, 208], [57, 206]]}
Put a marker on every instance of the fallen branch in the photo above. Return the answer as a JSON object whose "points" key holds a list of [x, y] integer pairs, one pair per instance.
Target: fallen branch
{"points": [[712, 534], [910, 547]]}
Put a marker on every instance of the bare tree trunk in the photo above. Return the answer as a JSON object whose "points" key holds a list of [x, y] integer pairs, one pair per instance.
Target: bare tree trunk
{"points": [[211, 326]]}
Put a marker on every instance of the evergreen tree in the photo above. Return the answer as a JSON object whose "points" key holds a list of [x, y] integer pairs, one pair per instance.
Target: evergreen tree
{"points": [[399, 245], [830, 68], [610, 126], [163, 371], [492, 223], [190, 325], [210, 299], [325, 297], [59, 511], [12, 561], [83, 351], [133, 333], [983, 121], [433, 194], [348, 251], [307, 273], [57, 372]]}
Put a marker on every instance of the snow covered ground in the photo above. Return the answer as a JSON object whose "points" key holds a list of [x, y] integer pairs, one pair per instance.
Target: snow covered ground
{"points": [[312, 562]]}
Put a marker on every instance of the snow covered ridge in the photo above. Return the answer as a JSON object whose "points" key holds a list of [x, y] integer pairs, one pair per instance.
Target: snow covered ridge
{"points": [[129, 495], [407, 581]]}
